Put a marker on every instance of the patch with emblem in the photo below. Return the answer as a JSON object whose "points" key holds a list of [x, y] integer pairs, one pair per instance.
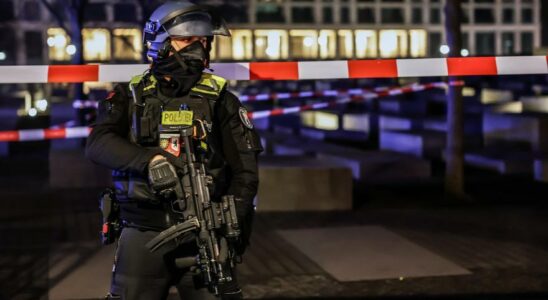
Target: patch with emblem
{"points": [[245, 119], [170, 143], [178, 117]]}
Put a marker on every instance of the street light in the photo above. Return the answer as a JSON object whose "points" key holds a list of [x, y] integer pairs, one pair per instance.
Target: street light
{"points": [[42, 104], [71, 49], [444, 49], [33, 112], [464, 52]]}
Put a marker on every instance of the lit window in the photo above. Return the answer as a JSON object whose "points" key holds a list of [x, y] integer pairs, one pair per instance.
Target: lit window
{"points": [[346, 44], [366, 43], [242, 44], [58, 41], [393, 43], [224, 47], [418, 43], [127, 44], [213, 52], [327, 44], [271, 44], [304, 43], [96, 44], [236, 47]]}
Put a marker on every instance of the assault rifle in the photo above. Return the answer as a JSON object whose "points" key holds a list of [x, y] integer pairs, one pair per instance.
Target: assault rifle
{"points": [[215, 224]]}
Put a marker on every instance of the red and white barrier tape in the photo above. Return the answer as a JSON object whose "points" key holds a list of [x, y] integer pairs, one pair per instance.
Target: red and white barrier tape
{"points": [[44, 134], [291, 110], [82, 132], [334, 69], [79, 104], [364, 96], [308, 94]]}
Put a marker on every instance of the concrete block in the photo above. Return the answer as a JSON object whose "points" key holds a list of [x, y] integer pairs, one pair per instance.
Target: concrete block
{"points": [[417, 143], [303, 184], [509, 107], [541, 170], [472, 125], [287, 150], [503, 165], [387, 122], [535, 104], [284, 130], [262, 123], [312, 133], [325, 120], [381, 166], [492, 96], [529, 128], [356, 122], [402, 106]]}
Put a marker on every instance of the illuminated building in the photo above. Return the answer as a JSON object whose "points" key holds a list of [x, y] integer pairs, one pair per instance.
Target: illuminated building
{"points": [[281, 30]]}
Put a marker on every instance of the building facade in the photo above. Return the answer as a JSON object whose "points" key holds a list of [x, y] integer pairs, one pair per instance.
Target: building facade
{"points": [[281, 30]]}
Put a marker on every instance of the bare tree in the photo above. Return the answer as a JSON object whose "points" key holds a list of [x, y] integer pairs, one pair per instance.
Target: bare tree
{"points": [[454, 174]]}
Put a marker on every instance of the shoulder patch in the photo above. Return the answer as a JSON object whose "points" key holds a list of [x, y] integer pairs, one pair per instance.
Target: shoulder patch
{"points": [[244, 118]]}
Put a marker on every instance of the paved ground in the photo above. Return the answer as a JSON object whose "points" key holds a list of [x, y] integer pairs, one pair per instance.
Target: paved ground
{"points": [[501, 238]]}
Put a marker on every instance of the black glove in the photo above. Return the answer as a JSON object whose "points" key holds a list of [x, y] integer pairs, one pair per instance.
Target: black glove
{"points": [[245, 212], [162, 177]]}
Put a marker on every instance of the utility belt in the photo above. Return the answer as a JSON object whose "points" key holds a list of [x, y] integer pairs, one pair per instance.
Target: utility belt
{"points": [[114, 220]]}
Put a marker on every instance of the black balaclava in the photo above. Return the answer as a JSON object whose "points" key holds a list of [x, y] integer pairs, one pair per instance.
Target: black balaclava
{"points": [[184, 68]]}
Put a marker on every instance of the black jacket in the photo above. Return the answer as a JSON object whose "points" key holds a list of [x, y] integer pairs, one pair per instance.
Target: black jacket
{"points": [[233, 165]]}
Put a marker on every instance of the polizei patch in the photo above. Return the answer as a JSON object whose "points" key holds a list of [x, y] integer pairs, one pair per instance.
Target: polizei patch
{"points": [[179, 117], [245, 119]]}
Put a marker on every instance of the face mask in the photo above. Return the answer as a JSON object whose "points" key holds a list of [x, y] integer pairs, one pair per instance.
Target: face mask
{"points": [[184, 67]]}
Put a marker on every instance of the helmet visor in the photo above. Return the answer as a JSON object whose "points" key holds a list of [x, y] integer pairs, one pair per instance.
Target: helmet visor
{"points": [[196, 23]]}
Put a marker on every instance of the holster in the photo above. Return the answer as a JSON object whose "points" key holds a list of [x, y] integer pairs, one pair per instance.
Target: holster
{"points": [[110, 210]]}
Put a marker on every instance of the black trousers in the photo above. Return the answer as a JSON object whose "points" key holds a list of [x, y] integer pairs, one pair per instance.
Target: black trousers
{"points": [[141, 274]]}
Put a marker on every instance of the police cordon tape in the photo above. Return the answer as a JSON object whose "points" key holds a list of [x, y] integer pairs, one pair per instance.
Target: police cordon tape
{"points": [[82, 132], [296, 70], [79, 104], [364, 96]]}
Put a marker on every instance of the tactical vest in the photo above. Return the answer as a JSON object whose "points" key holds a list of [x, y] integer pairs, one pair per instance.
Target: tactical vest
{"points": [[146, 113]]}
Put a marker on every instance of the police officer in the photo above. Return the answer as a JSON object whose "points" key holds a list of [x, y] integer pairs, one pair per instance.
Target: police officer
{"points": [[128, 139]]}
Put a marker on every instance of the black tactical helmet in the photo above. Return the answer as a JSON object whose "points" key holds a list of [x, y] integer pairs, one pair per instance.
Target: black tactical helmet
{"points": [[180, 19]]}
